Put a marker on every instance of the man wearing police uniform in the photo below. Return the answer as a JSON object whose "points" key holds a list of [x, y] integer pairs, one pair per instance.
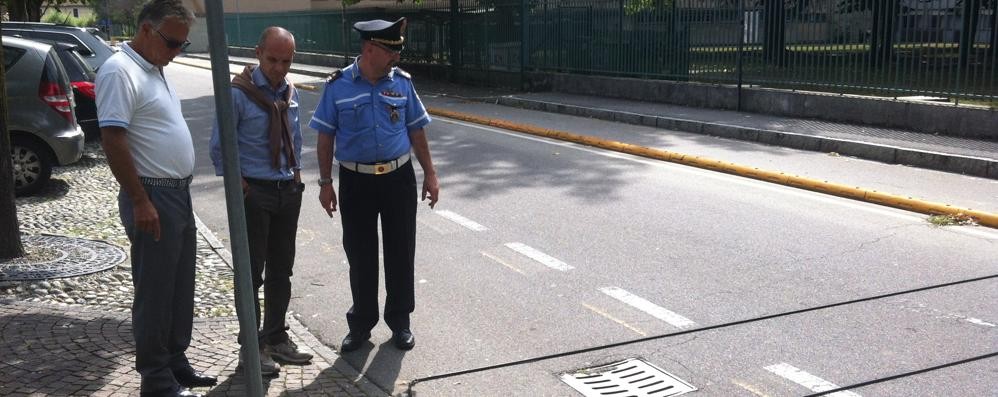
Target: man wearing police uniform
{"points": [[369, 118]]}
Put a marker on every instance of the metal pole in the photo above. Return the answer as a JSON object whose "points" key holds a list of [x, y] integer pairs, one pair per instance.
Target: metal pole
{"points": [[524, 50], [741, 49], [345, 32], [234, 198], [239, 26]]}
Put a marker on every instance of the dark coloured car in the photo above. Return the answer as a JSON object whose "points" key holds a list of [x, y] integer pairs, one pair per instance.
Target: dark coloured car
{"points": [[81, 77], [93, 48], [41, 121]]}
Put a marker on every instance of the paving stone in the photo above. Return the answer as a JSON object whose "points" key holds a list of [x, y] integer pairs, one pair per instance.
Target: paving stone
{"points": [[49, 348]]}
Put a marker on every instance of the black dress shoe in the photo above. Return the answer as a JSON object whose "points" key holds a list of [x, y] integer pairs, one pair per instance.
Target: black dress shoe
{"points": [[180, 392], [354, 341], [191, 378], [404, 339]]}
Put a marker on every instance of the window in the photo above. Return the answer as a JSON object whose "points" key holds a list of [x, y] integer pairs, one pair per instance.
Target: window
{"points": [[11, 55], [63, 38], [76, 12]]}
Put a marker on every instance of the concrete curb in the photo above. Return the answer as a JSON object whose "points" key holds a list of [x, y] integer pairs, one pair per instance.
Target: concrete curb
{"points": [[297, 328], [856, 193], [889, 154]]}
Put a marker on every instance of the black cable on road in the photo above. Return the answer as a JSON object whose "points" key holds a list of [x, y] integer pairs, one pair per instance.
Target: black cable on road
{"points": [[690, 331], [902, 375]]}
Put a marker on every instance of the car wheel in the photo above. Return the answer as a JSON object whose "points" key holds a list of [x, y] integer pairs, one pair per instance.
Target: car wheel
{"points": [[32, 166]]}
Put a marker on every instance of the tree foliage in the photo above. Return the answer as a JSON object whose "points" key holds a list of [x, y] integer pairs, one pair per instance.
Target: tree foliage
{"points": [[29, 10]]}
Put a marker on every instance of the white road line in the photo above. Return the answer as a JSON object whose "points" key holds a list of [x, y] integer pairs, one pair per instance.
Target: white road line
{"points": [[460, 220], [541, 257], [978, 321], [641, 304], [807, 380]]}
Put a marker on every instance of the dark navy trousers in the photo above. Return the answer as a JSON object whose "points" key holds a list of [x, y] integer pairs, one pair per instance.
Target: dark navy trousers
{"points": [[272, 227], [362, 199], [163, 277]]}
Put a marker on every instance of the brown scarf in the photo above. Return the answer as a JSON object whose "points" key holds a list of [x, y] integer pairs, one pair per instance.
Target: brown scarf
{"points": [[280, 127]]}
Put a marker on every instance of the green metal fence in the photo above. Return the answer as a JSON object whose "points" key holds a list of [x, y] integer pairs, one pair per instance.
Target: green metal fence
{"points": [[877, 47]]}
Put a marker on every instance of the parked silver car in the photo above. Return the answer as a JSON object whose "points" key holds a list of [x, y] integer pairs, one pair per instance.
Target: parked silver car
{"points": [[42, 124]]}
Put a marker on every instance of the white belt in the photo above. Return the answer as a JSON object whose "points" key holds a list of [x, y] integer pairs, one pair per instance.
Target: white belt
{"points": [[376, 168]]}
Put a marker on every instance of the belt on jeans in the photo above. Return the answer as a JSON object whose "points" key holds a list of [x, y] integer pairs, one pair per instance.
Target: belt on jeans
{"points": [[271, 183], [166, 182], [376, 168]]}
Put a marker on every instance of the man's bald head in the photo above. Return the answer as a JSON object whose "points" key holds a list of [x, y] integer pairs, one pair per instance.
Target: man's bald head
{"points": [[275, 51], [275, 34]]}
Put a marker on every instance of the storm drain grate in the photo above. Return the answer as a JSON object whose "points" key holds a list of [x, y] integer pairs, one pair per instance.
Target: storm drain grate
{"points": [[66, 257], [632, 377]]}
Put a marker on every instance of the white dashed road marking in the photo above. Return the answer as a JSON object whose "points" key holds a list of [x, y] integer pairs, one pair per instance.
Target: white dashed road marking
{"points": [[460, 220], [641, 304], [807, 380], [541, 257], [978, 322]]}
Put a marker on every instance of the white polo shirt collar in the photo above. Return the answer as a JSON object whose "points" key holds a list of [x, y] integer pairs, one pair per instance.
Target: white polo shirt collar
{"points": [[142, 62]]}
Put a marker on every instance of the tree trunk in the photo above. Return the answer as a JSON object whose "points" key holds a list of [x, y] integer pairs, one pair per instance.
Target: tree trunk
{"points": [[25, 10], [993, 46], [885, 14], [971, 16], [774, 19], [10, 232]]}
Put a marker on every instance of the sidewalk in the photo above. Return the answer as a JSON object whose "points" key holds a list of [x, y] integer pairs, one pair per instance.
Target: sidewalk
{"points": [[71, 336]]}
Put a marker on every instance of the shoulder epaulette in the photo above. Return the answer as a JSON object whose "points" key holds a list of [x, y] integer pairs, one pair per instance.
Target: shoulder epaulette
{"points": [[335, 75], [403, 73]]}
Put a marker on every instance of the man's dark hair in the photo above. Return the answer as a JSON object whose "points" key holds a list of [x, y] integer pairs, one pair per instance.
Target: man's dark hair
{"points": [[155, 11]]}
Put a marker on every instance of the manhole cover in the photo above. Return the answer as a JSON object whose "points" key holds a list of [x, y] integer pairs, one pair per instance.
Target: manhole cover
{"points": [[632, 377], [68, 256]]}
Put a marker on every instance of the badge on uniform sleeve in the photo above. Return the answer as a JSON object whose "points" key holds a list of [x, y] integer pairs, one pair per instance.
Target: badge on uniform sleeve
{"points": [[394, 115]]}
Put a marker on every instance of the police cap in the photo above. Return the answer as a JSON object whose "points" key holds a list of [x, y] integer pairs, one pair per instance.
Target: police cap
{"points": [[383, 32]]}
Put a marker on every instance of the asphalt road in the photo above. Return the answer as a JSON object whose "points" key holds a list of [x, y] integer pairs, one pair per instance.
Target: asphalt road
{"points": [[540, 248]]}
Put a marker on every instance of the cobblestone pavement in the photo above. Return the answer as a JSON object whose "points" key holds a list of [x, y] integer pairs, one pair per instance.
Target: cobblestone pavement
{"points": [[72, 336]]}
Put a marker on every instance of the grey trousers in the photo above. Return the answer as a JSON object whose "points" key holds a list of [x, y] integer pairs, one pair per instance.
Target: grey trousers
{"points": [[163, 277]]}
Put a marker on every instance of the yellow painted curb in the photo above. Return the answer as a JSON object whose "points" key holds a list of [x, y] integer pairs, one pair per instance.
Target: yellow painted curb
{"points": [[856, 193]]}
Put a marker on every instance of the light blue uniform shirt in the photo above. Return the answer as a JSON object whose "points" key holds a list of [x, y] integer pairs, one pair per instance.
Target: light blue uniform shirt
{"points": [[253, 131], [360, 115]]}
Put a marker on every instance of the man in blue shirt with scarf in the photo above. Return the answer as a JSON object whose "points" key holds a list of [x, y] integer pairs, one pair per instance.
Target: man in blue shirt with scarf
{"points": [[269, 136], [369, 118]]}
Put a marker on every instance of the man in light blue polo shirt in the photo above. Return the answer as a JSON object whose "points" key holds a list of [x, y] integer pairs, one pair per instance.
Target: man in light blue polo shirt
{"points": [[151, 154], [369, 118], [265, 107]]}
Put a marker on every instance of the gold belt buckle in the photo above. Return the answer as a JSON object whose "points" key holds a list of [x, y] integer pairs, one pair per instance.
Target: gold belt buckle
{"points": [[382, 168]]}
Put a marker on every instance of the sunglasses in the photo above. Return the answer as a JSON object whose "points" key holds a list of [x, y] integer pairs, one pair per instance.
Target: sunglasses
{"points": [[173, 44], [384, 47]]}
